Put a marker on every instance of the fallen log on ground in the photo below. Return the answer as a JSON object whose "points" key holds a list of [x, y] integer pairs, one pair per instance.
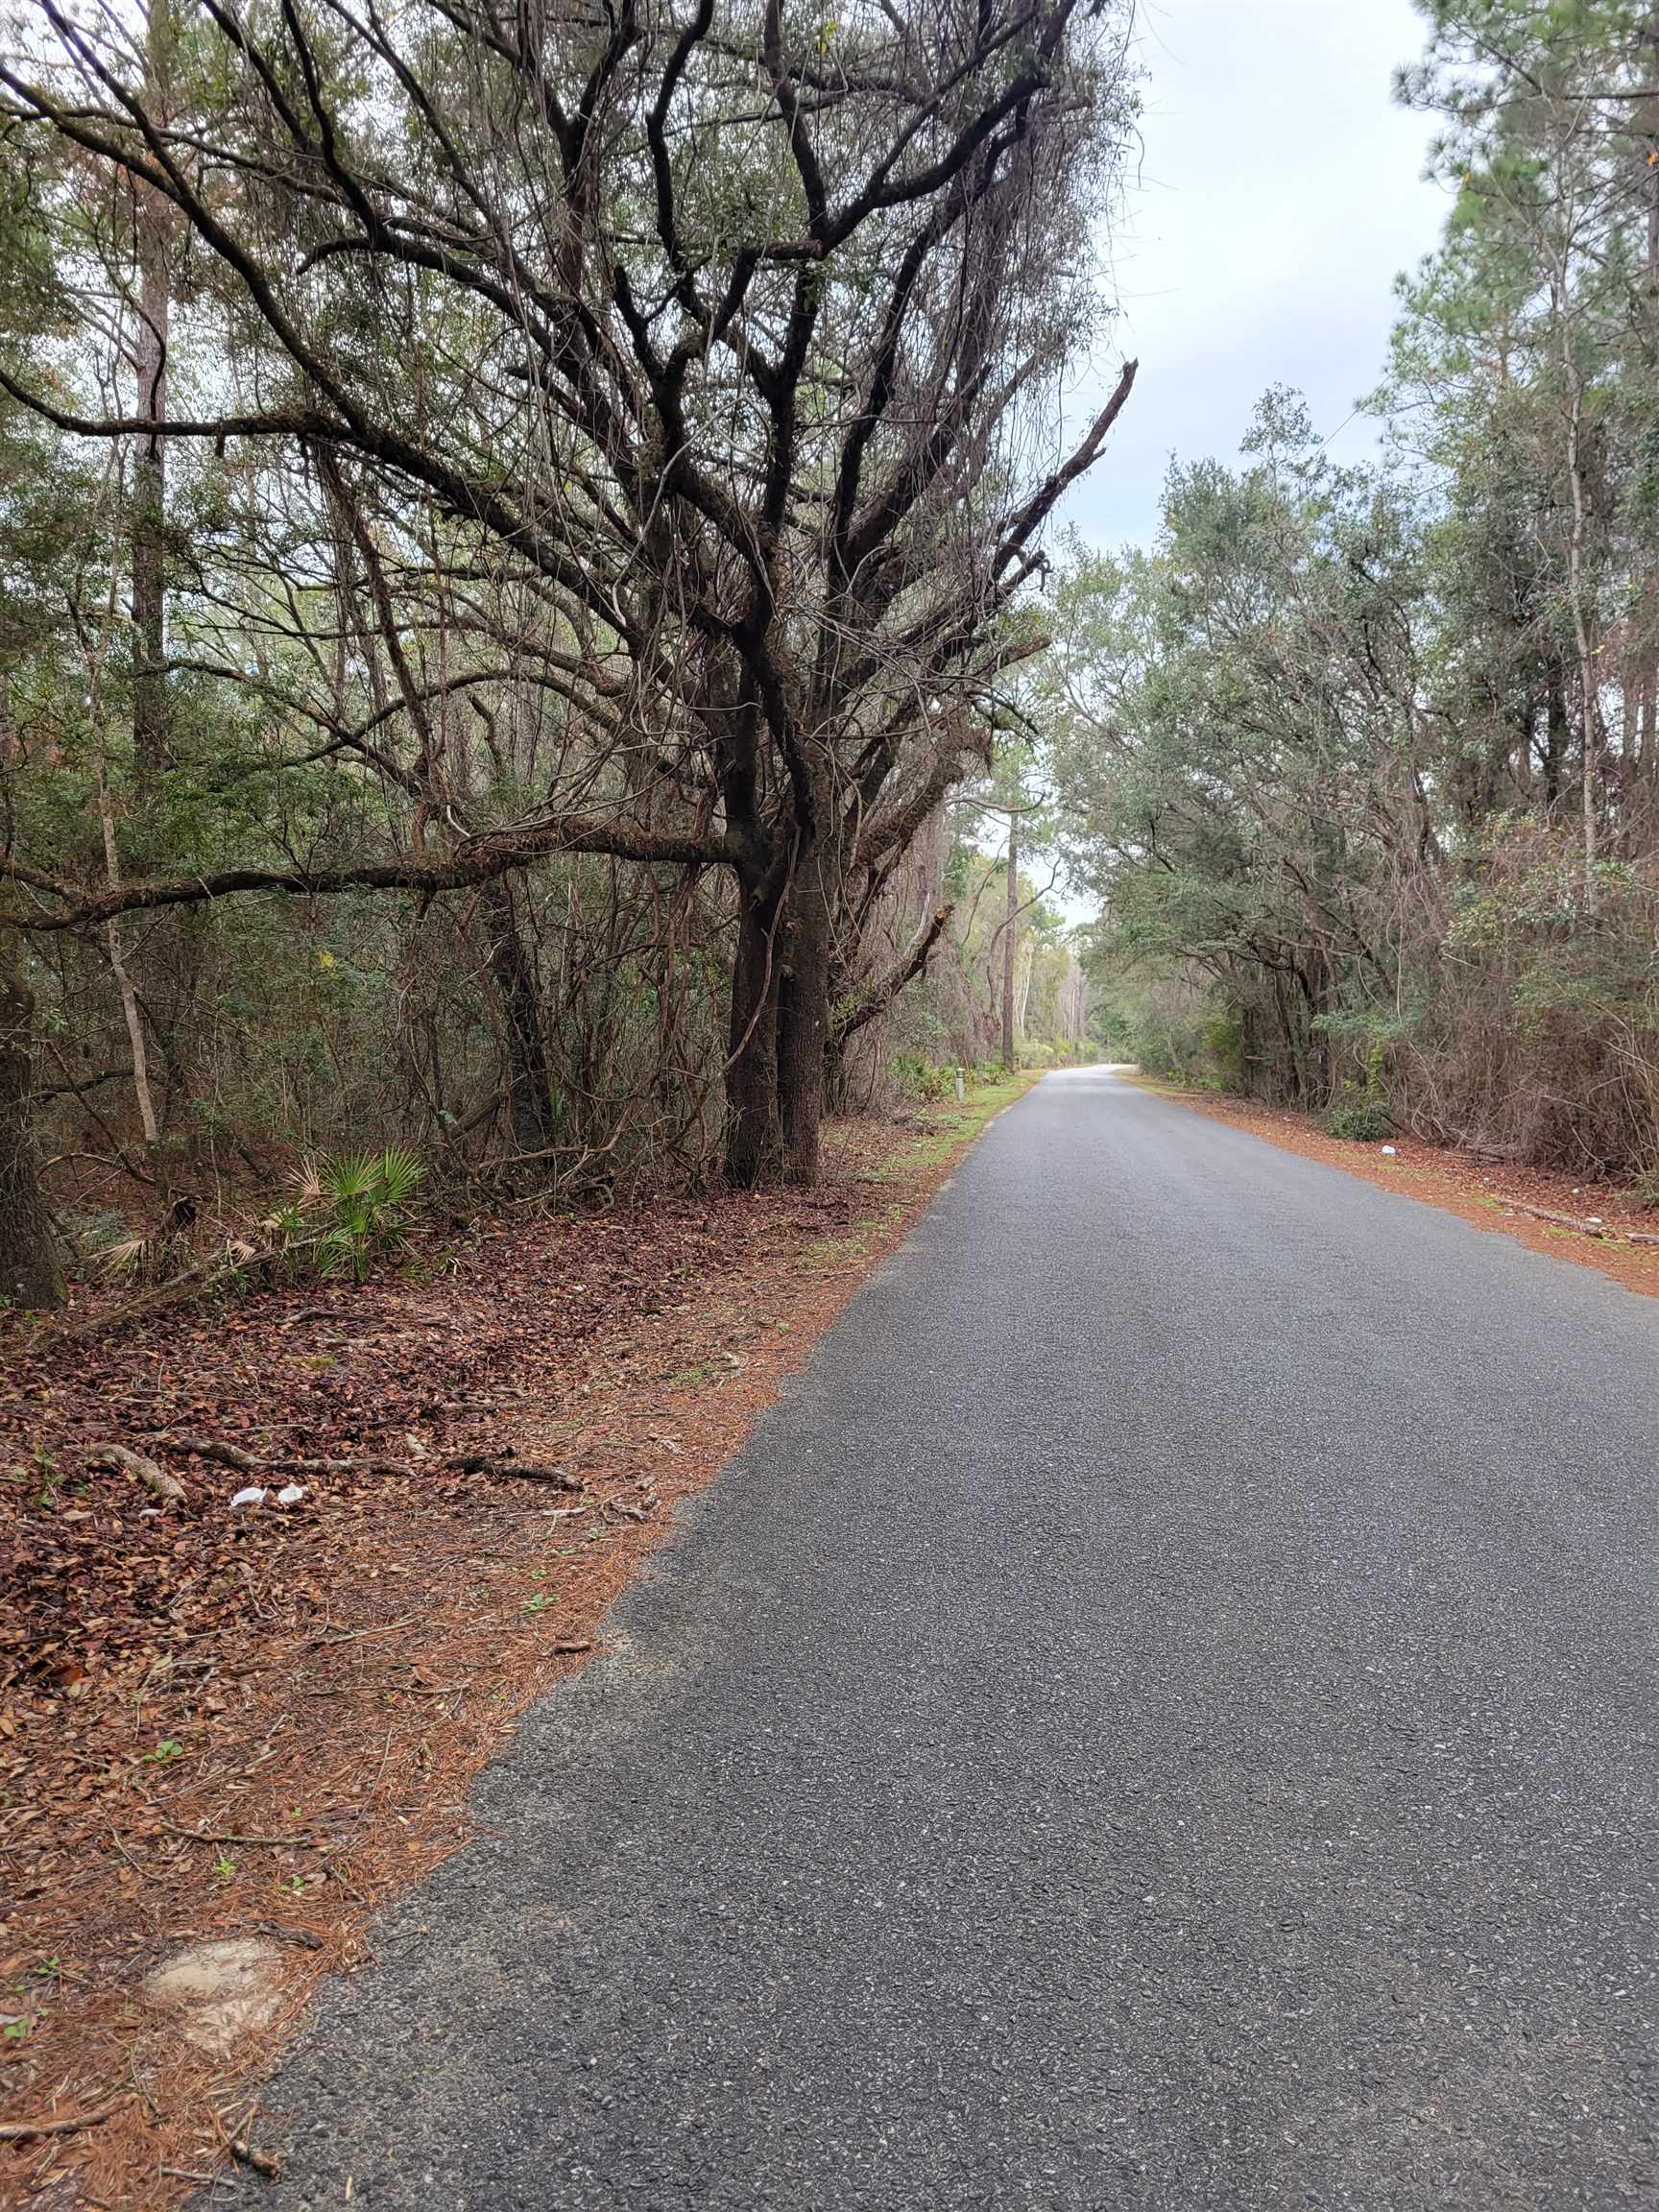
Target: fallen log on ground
{"points": [[1586, 1227]]}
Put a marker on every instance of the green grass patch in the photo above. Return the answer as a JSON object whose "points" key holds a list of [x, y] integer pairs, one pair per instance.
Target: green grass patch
{"points": [[953, 1126]]}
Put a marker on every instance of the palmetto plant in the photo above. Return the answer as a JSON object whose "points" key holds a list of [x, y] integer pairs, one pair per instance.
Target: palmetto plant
{"points": [[349, 1211]]}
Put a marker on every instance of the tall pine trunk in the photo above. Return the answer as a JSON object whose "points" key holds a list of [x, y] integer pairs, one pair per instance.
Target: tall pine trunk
{"points": [[31, 1275], [148, 520]]}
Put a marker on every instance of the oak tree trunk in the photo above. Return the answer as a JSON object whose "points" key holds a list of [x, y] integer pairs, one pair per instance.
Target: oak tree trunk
{"points": [[804, 1029], [529, 1076], [1010, 938], [751, 1132]]}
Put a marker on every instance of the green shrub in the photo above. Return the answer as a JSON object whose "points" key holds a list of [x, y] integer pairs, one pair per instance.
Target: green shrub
{"points": [[348, 1211], [1360, 1119], [922, 1080], [1224, 1048]]}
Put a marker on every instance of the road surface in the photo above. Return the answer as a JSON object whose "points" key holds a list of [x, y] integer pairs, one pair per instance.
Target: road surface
{"points": [[1163, 1715]]}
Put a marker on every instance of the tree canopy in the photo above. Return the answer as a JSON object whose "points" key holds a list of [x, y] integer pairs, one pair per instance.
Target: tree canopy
{"points": [[475, 438], [1362, 762]]}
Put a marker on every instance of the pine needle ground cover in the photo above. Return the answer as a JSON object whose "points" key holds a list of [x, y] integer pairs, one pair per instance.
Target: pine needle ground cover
{"points": [[260, 1722]]}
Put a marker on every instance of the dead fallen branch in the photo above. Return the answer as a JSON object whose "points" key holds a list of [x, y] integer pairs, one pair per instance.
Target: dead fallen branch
{"points": [[1585, 1227], [284, 1462], [363, 1635], [245, 1462], [70, 2124], [154, 1479], [209, 1448], [199, 1279], [283, 1932], [526, 1470], [223, 1836]]}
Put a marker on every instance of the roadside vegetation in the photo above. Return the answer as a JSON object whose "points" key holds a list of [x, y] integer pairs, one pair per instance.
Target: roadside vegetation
{"points": [[513, 527], [1362, 764]]}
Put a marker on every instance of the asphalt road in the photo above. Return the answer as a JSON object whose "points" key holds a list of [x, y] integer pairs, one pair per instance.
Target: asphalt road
{"points": [[1161, 1717]]}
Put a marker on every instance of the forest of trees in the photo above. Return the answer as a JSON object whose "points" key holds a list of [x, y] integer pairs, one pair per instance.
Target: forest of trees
{"points": [[514, 518], [526, 634], [1363, 763]]}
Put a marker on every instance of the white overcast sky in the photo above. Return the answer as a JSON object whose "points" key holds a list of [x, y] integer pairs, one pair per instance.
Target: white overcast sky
{"points": [[1279, 192]]}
